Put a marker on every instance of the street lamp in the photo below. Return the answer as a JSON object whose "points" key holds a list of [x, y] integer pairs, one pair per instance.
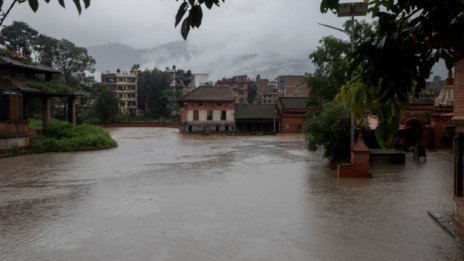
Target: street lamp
{"points": [[350, 10]]}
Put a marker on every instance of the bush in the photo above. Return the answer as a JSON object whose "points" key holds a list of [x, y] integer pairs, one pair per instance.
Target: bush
{"points": [[63, 136], [329, 129]]}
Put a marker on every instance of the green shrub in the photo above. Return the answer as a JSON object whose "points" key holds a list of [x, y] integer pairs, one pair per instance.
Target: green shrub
{"points": [[329, 129], [63, 136]]}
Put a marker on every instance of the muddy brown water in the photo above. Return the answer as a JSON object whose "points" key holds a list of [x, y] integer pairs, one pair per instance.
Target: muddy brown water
{"points": [[164, 196]]}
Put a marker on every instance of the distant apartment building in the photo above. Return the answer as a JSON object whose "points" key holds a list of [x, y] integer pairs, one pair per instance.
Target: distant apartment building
{"points": [[124, 85], [207, 109], [200, 79], [292, 86], [243, 88], [267, 92]]}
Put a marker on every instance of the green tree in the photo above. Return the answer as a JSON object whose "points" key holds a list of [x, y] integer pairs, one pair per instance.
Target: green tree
{"points": [[331, 63], [329, 129], [152, 86], [75, 63], [106, 105], [45, 48], [412, 36], [72, 60], [19, 37]]}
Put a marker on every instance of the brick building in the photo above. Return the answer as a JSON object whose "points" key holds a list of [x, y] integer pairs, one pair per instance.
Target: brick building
{"points": [[241, 87], [292, 111], [207, 109], [293, 86], [267, 92]]}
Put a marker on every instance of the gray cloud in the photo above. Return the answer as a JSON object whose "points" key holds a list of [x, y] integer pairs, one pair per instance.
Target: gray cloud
{"points": [[242, 36]]}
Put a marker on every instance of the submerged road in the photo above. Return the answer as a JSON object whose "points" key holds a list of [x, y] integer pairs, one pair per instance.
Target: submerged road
{"points": [[164, 196]]}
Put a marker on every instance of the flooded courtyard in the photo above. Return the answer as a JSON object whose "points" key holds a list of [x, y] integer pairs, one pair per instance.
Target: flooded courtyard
{"points": [[164, 196]]}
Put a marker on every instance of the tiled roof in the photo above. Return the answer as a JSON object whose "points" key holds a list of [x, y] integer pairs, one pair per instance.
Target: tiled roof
{"points": [[293, 102], [446, 97], [255, 111], [15, 85], [208, 93], [38, 68]]}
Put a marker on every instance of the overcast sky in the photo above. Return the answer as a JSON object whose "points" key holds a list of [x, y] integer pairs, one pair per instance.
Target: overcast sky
{"points": [[234, 38]]}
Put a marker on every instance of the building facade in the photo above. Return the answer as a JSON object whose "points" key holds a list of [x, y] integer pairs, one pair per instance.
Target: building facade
{"points": [[241, 87], [293, 86], [124, 85], [207, 109], [292, 111]]}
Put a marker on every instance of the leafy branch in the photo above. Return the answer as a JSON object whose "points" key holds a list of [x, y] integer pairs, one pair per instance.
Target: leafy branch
{"points": [[34, 4], [194, 16]]}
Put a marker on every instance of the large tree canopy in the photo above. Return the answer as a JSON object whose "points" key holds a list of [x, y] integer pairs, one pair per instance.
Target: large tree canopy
{"points": [[413, 35], [72, 60], [19, 37]]}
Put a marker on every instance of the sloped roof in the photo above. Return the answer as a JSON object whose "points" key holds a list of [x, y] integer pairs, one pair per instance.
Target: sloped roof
{"points": [[446, 97], [293, 102], [208, 93], [37, 68], [255, 111], [22, 86]]}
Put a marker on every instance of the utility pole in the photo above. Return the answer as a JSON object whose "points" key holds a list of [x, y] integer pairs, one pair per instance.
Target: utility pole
{"points": [[350, 10]]}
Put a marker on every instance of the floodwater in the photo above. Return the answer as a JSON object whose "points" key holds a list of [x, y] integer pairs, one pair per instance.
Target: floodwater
{"points": [[164, 196]]}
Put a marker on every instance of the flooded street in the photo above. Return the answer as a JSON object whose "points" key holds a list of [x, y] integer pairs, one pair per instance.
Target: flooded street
{"points": [[164, 196]]}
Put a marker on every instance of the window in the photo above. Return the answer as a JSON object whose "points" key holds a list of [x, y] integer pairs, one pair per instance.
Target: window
{"points": [[223, 115], [200, 104], [219, 104], [209, 116], [195, 115]]}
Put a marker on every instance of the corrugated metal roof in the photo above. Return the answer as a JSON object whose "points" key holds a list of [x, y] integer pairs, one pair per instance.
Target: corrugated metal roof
{"points": [[208, 93], [255, 111]]}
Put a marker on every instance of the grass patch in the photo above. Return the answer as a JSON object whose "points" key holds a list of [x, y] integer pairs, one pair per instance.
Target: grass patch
{"points": [[35, 124], [62, 136]]}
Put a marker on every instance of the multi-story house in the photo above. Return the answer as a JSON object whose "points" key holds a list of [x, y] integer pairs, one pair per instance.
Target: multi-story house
{"points": [[124, 85], [207, 109], [267, 92], [241, 86], [293, 86]]}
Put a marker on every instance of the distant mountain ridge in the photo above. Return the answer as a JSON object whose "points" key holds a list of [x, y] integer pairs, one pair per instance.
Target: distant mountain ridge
{"points": [[113, 56]]}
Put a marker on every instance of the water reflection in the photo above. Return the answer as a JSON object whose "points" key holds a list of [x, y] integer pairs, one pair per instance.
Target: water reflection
{"points": [[164, 196]]}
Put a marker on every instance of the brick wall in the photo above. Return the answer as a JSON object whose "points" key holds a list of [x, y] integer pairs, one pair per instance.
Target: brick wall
{"points": [[459, 89]]}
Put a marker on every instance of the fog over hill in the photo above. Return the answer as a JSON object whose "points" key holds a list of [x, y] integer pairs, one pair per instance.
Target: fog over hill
{"points": [[218, 62]]}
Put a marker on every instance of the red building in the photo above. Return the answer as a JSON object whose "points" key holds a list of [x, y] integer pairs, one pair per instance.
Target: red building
{"points": [[292, 112], [293, 86]]}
